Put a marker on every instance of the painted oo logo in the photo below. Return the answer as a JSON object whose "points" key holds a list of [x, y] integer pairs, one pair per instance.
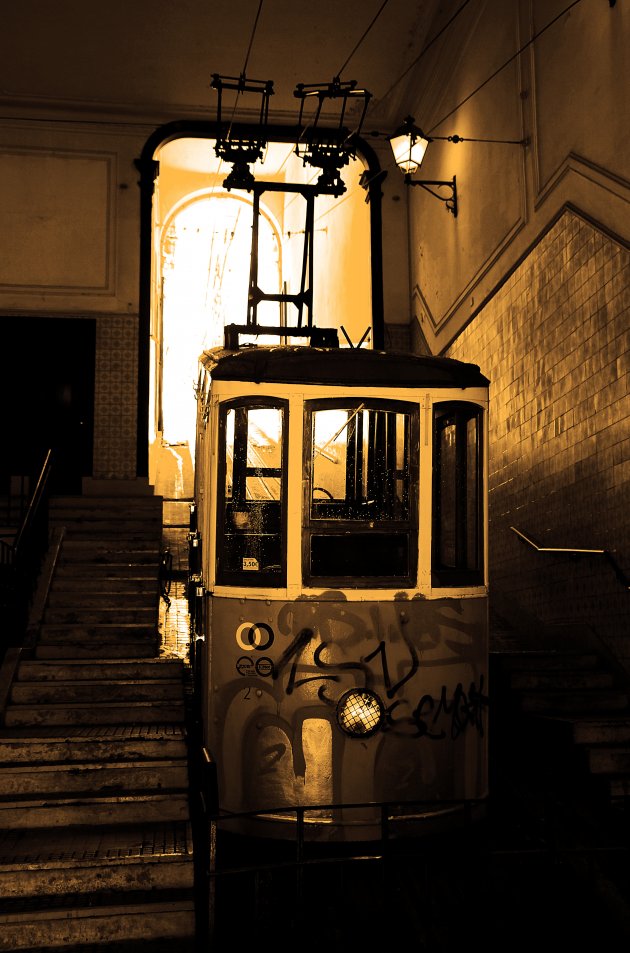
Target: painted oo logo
{"points": [[254, 635]]}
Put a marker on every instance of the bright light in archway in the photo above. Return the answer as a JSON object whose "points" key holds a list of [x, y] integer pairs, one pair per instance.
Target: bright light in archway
{"points": [[206, 251]]}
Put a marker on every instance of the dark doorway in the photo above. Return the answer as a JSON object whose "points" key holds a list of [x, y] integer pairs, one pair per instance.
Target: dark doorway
{"points": [[47, 393]]}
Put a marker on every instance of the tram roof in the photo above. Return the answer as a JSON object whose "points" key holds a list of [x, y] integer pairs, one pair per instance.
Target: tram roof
{"points": [[303, 364]]}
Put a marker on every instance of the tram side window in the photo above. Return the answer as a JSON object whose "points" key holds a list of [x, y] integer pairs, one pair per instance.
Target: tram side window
{"points": [[361, 523], [457, 495], [250, 519]]}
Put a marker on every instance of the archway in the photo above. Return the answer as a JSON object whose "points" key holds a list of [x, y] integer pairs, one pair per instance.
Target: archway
{"points": [[180, 172]]}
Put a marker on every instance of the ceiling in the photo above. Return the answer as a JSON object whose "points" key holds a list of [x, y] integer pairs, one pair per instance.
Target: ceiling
{"points": [[154, 60]]}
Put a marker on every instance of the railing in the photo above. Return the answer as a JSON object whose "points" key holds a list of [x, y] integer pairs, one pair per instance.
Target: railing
{"points": [[402, 885], [574, 551], [21, 559]]}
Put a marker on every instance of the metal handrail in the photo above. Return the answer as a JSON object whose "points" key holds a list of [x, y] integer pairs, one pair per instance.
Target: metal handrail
{"points": [[576, 551]]}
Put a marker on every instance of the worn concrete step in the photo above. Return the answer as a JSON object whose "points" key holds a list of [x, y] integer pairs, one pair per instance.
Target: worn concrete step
{"points": [[100, 780], [70, 583], [111, 713], [56, 812], [595, 700], [110, 551], [101, 927], [104, 744], [94, 632], [130, 530], [103, 615], [141, 647], [106, 598], [615, 730], [71, 862], [561, 679], [620, 790], [95, 691], [124, 669], [609, 760], [104, 501]]}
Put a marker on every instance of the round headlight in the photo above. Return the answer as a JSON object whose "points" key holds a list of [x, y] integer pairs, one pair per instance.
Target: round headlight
{"points": [[359, 712]]}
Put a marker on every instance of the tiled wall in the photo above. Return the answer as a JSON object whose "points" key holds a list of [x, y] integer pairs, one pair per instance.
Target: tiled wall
{"points": [[115, 397], [555, 343]]}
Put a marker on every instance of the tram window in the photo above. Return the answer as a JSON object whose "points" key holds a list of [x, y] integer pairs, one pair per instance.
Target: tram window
{"points": [[457, 498], [250, 518], [361, 523]]}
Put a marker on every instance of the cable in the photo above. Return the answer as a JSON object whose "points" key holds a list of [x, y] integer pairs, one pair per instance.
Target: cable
{"points": [[425, 49], [374, 19], [249, 48], [507, 63]]}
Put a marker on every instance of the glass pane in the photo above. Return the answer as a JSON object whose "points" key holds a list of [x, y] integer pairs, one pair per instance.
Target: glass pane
{"points": [[251, 540], [448, 496], [264, 451], [472, 529], [360, 464]]}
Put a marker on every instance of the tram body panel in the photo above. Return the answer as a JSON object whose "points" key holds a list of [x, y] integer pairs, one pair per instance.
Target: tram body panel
{"points": [[277, 675], [343, 649]]}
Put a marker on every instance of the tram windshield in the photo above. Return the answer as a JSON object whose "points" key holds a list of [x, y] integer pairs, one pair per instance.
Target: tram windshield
{"points": [[361, 520]]}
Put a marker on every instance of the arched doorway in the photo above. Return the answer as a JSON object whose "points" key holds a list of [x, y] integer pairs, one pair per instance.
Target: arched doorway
{"points": [[182, 177]]}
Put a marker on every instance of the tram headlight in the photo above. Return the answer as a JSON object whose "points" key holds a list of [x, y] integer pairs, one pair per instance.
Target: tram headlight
{"points": [[359, 712]]}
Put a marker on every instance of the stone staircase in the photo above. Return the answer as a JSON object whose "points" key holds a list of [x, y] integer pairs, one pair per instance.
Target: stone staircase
{"points": [[95, 831], [564, 691]]}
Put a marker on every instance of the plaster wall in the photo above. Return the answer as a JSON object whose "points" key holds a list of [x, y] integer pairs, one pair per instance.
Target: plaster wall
{"points": [[516, 70]]}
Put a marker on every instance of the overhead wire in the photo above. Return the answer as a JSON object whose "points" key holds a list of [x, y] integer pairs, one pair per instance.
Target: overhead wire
{"points": [[425, 49], [481, 85], [365, 33], [510, 59]]}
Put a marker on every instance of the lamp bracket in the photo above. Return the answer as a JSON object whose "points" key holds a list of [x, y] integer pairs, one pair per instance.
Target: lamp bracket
{"points": [[430, 184]]}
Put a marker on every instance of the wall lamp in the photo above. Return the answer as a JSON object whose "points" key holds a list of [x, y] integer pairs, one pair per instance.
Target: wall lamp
{"points": [[409, 144]]}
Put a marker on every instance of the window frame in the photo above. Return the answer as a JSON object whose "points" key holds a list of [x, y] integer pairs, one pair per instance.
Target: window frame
{"points": [[443, 576]]}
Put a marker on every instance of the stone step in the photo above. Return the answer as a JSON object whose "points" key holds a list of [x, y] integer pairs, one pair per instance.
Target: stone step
{"points": [[81, 861], [120, 648], [106, 632], [615, 730], [103, 615], [51, 813], [609, 760], [558, 701], [94, 691], [620, 790], [112, 713], [96, 780], [567, 680], [110, 582], [107, 528], [103, 502], [98, 690], [105, 744], [102, 927], [112, 551], [124, 669], [99, 599]]}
